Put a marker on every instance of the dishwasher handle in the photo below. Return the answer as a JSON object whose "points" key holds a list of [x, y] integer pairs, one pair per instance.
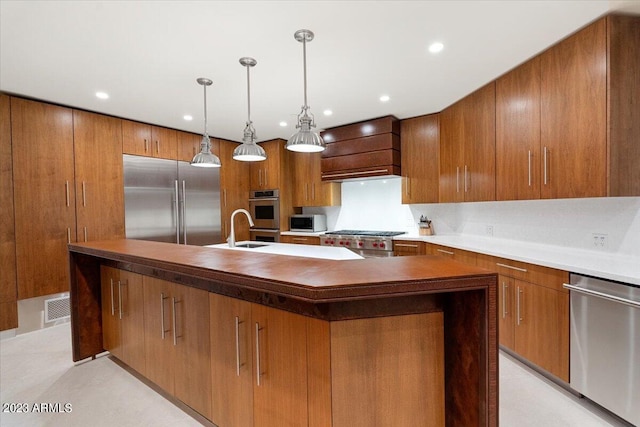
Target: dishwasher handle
{"points": [[602, 295]]}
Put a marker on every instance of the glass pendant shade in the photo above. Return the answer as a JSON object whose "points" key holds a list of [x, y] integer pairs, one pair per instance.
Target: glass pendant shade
{"points": [[249, 151], [305, 140], [205, 158]]}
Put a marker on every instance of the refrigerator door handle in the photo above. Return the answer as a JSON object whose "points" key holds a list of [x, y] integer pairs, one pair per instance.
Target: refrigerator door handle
{"points": [[177, 212], [184, 212]]}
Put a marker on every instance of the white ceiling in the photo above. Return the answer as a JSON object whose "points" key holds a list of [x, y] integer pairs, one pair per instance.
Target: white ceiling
{"points": [[148, 54]]}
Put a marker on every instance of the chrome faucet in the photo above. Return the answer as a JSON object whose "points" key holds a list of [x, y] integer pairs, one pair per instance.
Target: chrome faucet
{"points": [[232, 236]]}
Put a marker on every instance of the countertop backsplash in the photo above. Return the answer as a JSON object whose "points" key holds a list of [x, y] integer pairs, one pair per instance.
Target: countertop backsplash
{"points": [[572, 223]]}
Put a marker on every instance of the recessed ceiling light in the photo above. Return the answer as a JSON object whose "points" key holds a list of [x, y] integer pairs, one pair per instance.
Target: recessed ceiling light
{"points": [[436, 47], [187, 117], [102, 95], [283, 124], [384, 98], [328, 112]]}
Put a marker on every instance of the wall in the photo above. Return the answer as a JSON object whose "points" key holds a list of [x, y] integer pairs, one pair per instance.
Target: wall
{"points": [[375, 205]]}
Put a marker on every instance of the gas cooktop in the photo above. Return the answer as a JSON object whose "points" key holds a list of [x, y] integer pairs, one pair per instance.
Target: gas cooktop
{"points": [[365, 233]]}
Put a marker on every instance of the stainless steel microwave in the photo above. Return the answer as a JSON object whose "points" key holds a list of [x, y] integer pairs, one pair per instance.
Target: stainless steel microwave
{"points": [[308, 223]]}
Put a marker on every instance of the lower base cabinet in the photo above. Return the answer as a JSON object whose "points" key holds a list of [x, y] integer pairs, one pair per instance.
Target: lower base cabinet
{"points": [[123, 316], [274, 368], [177, 341]]}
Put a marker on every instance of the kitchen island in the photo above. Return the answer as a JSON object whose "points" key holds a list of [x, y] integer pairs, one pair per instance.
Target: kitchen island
{"points": [[320, 342]]}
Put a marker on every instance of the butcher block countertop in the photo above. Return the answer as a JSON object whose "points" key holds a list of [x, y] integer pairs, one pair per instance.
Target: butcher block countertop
{"points": [[311, 279]]}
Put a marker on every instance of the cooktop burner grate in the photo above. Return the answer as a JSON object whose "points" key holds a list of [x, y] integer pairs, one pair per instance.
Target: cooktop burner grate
{"points": [[366, 233]]}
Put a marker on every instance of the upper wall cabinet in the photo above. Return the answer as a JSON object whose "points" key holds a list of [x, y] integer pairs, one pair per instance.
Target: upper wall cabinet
{"points": [[567, 121], [467, 148], [146, 140], [308, 188], [420, 154], [189, 145]]}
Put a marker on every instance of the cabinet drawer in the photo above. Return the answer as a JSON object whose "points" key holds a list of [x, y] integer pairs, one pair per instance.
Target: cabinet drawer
{"points": [[457, 254], [408, 248], [300, 240], [536, 274]]}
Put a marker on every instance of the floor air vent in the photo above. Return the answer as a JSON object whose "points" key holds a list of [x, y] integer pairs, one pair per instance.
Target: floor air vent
{"points": [[56, 309]]}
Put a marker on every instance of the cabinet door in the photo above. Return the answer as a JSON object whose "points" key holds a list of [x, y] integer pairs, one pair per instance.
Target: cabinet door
{"points": [[44, 196], [192, 348], [266, 174], [8, 290], [518, 133], [234, 191], [188, 145], [231, 362], [506, 306], [136, 138], [574, 115], [451, 154], [542, 327], [280, 379], [479, 172], [159, 332], [164, 143], [111, 331], [303, 169], [99, 174], [131, 296], [420, 141]]}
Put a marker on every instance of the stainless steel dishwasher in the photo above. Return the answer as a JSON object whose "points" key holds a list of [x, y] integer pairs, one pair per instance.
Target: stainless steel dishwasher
{"points": [[605, 344]]}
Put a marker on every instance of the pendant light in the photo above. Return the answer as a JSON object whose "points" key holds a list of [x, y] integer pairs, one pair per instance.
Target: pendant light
{"points": [[205, 158], [249, 151], [305, 140]]}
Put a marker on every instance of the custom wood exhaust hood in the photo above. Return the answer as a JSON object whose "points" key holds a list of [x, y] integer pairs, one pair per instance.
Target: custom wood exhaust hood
{"points": [[362, 150]]}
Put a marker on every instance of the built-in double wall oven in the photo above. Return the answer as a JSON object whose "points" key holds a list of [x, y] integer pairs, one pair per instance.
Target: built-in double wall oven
{"points": [[264, 206]]}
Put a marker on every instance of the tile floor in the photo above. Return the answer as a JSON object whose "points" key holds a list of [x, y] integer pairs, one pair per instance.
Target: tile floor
{"points": [[37, 368]]}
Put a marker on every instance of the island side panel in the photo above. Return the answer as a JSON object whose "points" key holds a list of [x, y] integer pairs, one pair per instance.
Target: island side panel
{"points": [[86, 306], [471, 358]]}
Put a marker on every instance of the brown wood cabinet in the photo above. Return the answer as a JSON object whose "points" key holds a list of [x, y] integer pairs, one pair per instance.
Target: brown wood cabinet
{"points": [[234, 190], [44, 196], [420, 154], [99, 176], [574, 115], [258, 364], [177, 341], [518, 150], [189, 145], [533, 312], [123, 316], [265, 175], [467, 148], [461, 255], [146, 140], [308, 187], [8, 284], [408, 248], [300, 240]]}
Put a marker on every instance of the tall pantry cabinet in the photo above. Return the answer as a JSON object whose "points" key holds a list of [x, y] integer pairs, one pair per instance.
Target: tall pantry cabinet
{"points": [[68, 187], [8, 290]]}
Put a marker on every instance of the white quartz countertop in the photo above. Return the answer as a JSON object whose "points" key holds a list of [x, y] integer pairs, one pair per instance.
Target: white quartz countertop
{"points": [[307, 251], [601, 264], [302, 233]]}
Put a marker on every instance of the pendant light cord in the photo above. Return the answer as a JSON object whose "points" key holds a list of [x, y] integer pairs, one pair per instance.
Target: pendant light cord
{"points": [[304, 65], [205, 109], [248, 96]]}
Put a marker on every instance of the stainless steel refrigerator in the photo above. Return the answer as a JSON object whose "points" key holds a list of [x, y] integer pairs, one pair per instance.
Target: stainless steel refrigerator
{"points": [[171, 201]]}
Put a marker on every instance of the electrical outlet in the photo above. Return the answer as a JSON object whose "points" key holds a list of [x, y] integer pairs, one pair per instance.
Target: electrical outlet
{"points": [[600, 240], [489, 230]]}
